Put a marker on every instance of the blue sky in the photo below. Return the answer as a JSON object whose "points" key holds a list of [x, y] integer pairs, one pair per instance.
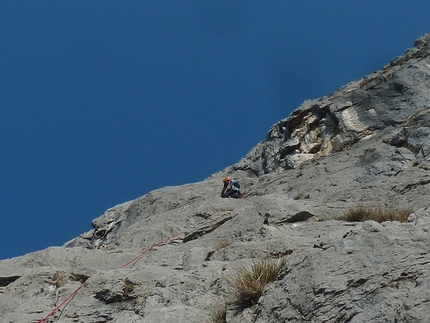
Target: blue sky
{"points": [[103, 101]]}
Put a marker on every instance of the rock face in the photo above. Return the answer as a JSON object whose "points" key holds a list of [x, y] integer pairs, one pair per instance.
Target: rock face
{"points": [[169, 256], [394, 97]]}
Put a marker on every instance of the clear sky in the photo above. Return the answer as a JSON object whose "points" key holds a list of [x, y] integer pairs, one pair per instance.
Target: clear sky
{"points": [[103, 101]]}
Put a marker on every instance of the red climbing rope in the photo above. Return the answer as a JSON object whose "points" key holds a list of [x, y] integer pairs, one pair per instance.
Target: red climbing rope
{"points": [[123, 266], [150, 248], [59, 306], [248, 200]]}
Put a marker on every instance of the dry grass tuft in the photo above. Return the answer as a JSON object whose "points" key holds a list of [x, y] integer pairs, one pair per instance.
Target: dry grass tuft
{"points": [[249, 282], [376, 213], [218, 313], [221, 245], [59, 279]]}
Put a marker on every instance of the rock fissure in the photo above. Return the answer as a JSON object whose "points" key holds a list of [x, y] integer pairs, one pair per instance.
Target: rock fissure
{"points": [[5, 281], [205, 229]]}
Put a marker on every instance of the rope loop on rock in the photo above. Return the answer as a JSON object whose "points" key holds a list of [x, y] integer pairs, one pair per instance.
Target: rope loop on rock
{"points": [[134, 260], [150, 248], [59, 306]]}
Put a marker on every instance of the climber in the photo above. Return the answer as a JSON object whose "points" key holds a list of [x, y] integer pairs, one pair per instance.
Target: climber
{"points": [[231, 188]]}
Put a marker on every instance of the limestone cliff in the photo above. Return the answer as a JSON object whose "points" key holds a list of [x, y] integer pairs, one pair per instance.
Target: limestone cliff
{"points": [[170, 256], [395, 97]]}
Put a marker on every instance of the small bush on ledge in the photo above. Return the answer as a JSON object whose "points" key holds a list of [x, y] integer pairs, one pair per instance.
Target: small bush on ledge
{"points": [[376, 213], [249, 282], [218, 313]]}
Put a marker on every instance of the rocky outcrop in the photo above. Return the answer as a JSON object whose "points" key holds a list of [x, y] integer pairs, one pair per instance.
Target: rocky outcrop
{"points": [[391, 98], [169, 255]]}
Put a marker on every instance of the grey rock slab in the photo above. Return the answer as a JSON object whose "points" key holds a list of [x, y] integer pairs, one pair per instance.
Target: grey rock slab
{"points": [[367, 275]]}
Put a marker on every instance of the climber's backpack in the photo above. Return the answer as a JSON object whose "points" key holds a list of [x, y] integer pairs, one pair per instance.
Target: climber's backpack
{"points": [[235, 185]]}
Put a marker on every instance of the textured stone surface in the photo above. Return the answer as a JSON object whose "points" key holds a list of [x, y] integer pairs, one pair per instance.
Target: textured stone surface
{"points": [[395, 96], [374, 273], [365, 144]]}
